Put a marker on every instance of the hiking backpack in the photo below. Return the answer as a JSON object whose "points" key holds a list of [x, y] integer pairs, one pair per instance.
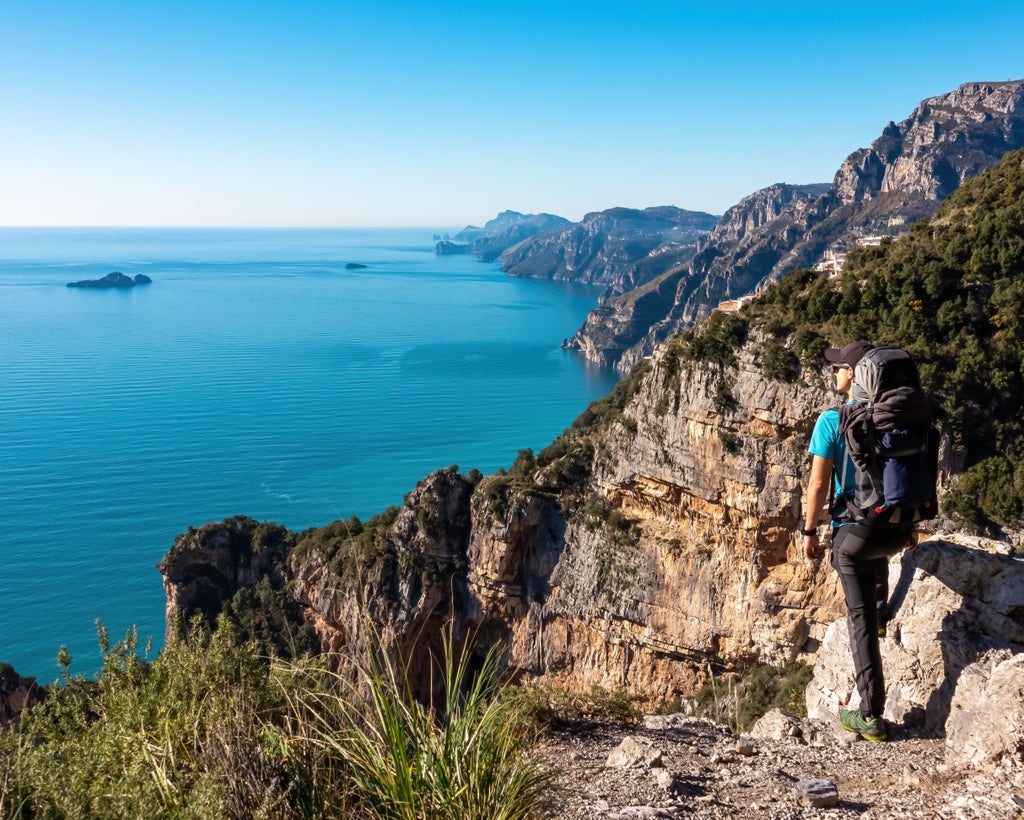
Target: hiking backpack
{"points": [[891, 441]]}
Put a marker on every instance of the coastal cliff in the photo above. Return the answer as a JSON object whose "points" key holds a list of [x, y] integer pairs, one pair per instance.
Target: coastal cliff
{"points": [[670, 555], [617, 249], [902, 177], [653, 544], [634, 553], [507, 229]]}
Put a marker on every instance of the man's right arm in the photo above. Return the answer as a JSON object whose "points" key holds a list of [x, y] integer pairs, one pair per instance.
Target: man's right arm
{"points": [[817, 492]]}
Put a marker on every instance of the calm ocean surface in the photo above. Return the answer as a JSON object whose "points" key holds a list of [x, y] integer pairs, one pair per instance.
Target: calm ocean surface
{"points": [[255, 376]]}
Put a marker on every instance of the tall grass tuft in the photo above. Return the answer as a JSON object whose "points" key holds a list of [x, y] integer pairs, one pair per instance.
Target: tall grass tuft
{"points": [[460, 758]]}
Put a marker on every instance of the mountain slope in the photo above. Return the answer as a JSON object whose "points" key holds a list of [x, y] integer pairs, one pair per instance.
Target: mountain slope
{"points": [[950, 292], [619, 248], [507, 229], [903, 176]]}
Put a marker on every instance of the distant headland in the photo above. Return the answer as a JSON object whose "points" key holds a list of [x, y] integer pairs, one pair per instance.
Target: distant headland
{"points": [[113, 280]]}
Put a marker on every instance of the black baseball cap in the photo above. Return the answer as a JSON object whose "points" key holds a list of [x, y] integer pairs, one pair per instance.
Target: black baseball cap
{"points": [[851, 354]]}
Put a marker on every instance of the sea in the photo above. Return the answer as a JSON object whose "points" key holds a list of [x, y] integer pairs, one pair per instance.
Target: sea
{"points": [[259, 374]]}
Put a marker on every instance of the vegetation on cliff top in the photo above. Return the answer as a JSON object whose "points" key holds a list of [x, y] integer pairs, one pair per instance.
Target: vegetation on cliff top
{"points": [[950, 292], [210, 730]]}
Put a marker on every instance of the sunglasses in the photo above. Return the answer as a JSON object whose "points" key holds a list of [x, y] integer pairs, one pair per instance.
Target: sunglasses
{"points": [[837, 367]]}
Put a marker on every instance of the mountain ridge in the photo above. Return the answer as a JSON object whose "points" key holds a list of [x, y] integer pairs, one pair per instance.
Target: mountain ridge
{"points": [[902, 177]]}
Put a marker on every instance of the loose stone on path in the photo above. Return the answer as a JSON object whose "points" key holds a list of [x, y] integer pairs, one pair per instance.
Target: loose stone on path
{"points": [[816, 793]]}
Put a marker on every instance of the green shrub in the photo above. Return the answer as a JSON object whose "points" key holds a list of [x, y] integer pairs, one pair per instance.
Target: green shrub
{"points": [[779, 362], [739, 700], [730, 441], [546, 706], [211, 730], [180, 736], [723, 400], [716, 340]]}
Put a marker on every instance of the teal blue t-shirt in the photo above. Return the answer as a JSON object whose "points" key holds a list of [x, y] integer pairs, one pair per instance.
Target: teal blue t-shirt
{"points": [[827, 443]]}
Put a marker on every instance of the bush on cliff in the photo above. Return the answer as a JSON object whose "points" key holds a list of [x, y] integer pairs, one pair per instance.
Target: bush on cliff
{"points": [[461, 757]]}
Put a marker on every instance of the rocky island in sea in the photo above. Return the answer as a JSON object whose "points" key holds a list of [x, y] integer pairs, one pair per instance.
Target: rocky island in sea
{"points": [[113, 280]]}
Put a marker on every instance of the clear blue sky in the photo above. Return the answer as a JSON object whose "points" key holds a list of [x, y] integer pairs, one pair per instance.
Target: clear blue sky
{"points": [[299, 113]]}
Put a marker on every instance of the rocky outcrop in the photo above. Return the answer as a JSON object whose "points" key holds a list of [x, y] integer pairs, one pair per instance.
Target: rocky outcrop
{"points": [[401, 586], [946, 139], [750, 215], [683, 561], [16, 693], [618, 249], [902, 177], [954, 653], [113, 280], [206, 567], [448, 248]]}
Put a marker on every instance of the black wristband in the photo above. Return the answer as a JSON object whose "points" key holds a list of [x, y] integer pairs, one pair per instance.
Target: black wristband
{"points": [[809, 531]]}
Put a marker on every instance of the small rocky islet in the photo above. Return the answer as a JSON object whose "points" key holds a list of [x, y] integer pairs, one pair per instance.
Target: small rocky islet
{"points": [[113, 280]]}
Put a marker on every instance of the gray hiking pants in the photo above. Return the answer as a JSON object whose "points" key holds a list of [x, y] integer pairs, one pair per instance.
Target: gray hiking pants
{"points": [[860, 556]]}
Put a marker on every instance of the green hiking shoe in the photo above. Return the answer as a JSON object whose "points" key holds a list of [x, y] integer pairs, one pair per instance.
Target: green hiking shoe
{"points": [[853, 721]]}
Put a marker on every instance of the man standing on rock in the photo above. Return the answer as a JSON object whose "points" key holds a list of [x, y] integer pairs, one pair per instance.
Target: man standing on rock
{"points": [[860, 554]]}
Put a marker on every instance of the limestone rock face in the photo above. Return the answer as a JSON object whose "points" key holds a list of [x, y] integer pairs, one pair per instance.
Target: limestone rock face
{"points": [[946, 139], [903, 176], [760, 208], [401, 599], [952, 658], [712, 465], [987, 711]]}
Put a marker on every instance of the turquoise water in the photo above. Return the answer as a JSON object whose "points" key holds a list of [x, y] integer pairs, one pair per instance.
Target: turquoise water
{"points": [[255, 376]]}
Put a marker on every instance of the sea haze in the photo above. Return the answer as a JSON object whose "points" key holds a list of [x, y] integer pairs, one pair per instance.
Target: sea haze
{"points": [[257, 376]]}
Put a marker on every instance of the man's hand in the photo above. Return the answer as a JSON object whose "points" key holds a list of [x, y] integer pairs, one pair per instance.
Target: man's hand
{"points": [[812, 548]]}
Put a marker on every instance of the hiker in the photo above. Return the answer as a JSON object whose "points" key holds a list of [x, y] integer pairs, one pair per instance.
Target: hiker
{"points": [[860, 552]]}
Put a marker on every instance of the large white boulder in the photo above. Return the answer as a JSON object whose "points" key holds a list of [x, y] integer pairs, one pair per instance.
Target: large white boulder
{"points": [[952, 659]]}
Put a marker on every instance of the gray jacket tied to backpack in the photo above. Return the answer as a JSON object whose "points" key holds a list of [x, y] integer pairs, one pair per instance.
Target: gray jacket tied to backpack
{"points": [[889, 439]]}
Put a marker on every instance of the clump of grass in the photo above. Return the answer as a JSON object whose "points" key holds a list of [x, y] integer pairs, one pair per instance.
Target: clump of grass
{"points": [[461, 757]]}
